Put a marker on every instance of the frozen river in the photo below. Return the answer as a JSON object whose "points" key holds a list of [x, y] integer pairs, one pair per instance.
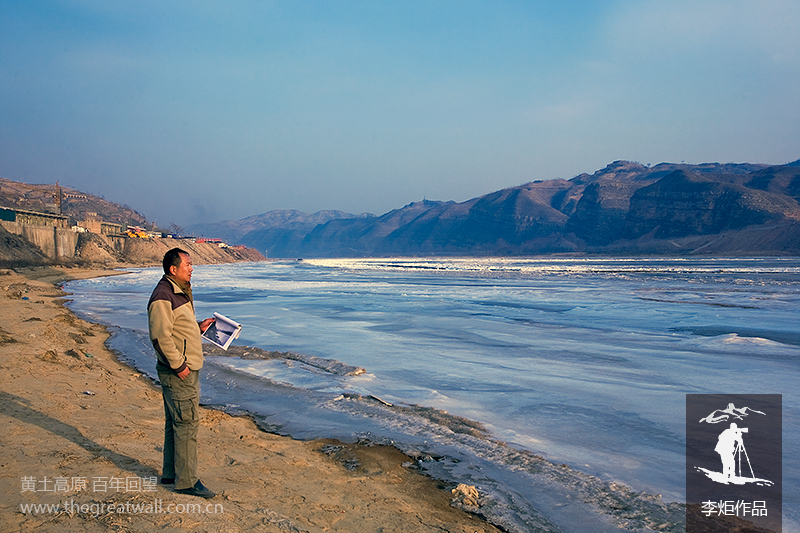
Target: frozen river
{"points": [[585, 362]]}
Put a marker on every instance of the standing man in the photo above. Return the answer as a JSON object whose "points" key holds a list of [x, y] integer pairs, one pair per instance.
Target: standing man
{"points": [[175, 334]]}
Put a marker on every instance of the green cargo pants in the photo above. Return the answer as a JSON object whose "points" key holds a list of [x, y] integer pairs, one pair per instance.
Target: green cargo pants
{"points": [[182, 420]]}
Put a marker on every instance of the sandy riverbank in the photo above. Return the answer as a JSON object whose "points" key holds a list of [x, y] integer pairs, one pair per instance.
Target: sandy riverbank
{"points": [[82, 429]]}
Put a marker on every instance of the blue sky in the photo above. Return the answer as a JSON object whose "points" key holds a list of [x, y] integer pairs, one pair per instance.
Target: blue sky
{"points": [[193, 110]]}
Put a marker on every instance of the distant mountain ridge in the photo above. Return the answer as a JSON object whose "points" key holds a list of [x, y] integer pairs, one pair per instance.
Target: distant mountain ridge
{"points": [[625, 207], [287, 221]]}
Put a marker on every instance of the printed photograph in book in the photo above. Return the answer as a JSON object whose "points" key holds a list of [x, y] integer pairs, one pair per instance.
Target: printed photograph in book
{"points": [[222, 331]]}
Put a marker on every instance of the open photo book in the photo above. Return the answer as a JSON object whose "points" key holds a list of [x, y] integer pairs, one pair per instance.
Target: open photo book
{"points": [[222, 331]]}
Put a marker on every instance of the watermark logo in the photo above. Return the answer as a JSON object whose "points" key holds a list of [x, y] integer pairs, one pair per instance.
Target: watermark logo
{"points": [[96, 484], [733, 461], [99, 508], [138, 489]]}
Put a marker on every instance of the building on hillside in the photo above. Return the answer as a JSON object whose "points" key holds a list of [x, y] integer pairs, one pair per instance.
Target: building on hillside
{"points": [[95, 225], [74, 196], [33, 218]]}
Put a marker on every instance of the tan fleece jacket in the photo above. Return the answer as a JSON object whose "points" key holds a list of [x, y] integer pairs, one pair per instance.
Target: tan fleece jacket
{"points": [[174, 331]]}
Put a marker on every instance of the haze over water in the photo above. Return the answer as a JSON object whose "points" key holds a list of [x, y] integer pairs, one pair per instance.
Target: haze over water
{"points": [[583, 361]]}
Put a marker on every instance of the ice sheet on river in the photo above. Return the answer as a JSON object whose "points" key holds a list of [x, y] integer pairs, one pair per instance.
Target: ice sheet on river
{"points": [[518, 490]]}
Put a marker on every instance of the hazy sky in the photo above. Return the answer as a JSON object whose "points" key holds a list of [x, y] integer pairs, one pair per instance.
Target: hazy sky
{"points": [[193, 110]]}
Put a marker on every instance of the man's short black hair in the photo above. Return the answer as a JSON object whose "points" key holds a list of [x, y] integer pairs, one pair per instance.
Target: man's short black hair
{"points": [[173, 258]]}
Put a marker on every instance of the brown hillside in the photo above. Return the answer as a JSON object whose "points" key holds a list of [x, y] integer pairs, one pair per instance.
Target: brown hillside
{"points": [[74, 204]]}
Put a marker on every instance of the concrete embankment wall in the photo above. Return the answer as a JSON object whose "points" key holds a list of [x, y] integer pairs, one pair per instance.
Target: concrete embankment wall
{"points": [[54, 242]]}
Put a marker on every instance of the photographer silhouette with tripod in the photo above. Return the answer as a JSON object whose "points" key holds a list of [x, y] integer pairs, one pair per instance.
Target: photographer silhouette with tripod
{"points": [[728, 446]]}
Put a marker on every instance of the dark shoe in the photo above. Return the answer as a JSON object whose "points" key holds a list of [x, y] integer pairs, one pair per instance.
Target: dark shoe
{"points": [[167, 480], [198, 490]]}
